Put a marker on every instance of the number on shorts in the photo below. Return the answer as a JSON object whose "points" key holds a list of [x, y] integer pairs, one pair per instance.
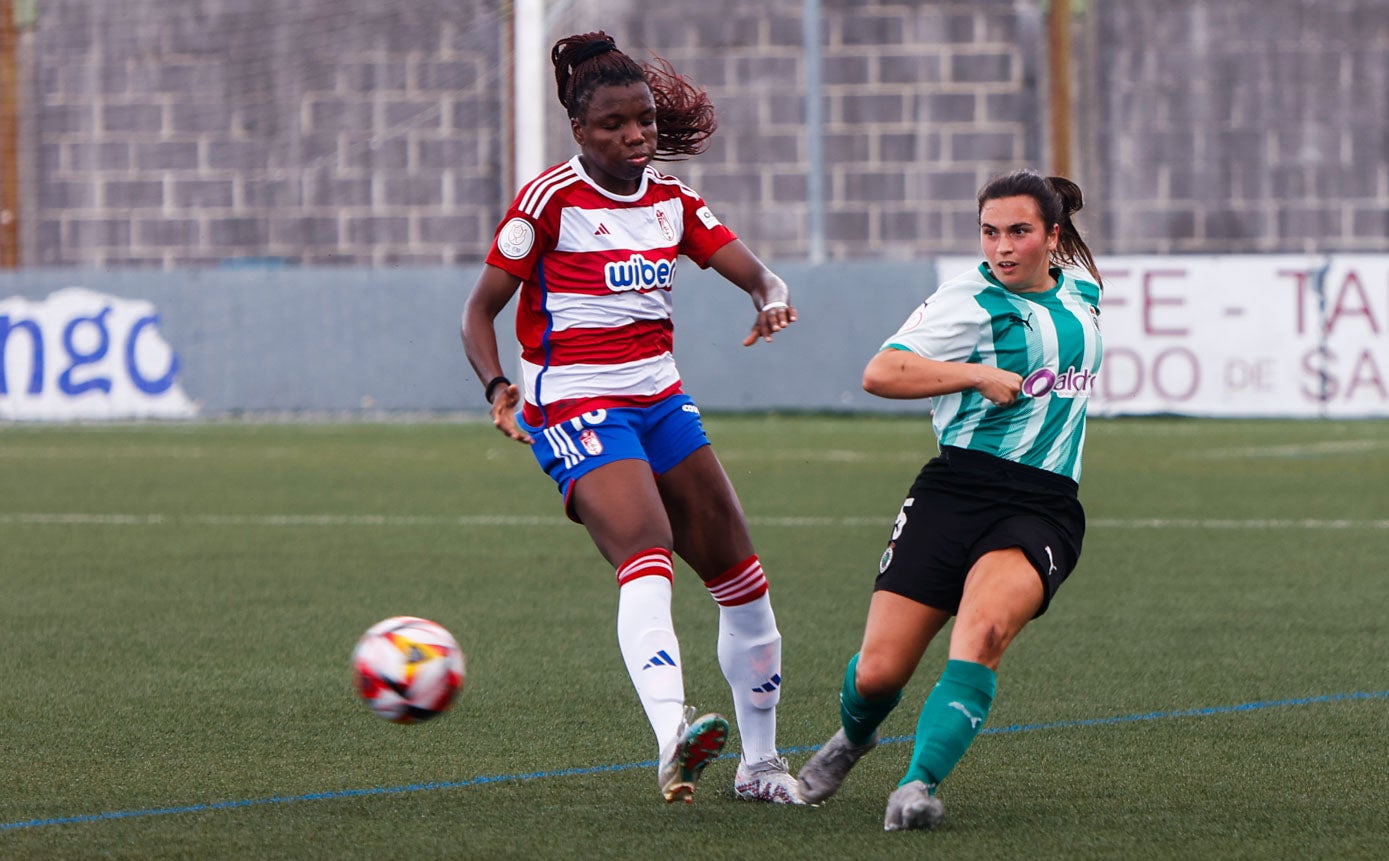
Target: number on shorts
{"points": [[901, 518]]}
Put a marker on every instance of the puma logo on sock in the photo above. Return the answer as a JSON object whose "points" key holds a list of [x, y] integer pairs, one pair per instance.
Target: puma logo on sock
{"points": [[973, 721]]}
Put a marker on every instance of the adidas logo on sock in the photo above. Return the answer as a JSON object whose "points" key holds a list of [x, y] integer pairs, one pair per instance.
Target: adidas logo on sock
{"points": [[660, 659], [772, 684]]}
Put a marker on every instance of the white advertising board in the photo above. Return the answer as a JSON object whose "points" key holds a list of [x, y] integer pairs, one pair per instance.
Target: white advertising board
{"points": [[80, 354], [1241, 336], [1248, 335]]}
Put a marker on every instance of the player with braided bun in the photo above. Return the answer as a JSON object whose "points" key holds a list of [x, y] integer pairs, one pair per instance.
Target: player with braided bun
{"points": [[686, 118], [592, 244], [1008, 353]]}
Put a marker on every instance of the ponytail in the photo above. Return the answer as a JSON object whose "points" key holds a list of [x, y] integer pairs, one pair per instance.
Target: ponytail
{"points": [[1071, 249]]}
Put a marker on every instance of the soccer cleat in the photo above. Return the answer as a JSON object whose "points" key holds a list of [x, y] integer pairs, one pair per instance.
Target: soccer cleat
{"points": [[696, 744], [769, 780], [912, 806], [821, 776]]}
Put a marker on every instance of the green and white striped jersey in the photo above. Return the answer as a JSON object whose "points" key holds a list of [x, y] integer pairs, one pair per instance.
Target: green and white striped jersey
{"points": [[1051, 339]]}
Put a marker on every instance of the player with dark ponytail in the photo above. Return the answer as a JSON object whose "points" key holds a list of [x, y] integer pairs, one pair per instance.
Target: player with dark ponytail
{"points": [[1008, 352], [591, 244]]}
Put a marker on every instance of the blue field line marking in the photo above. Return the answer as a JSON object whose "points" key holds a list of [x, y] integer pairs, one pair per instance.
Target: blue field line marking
{"points": [[602, 769], [1204, 712]]}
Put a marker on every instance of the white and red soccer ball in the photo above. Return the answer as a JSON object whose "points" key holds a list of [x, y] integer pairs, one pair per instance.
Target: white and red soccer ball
{"points": [[407, 669]]}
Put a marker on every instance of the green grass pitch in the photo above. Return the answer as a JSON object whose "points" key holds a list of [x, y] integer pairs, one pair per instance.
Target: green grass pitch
{"points": [[178, 602]]}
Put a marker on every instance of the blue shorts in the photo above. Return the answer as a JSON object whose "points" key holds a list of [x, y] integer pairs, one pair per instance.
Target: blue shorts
{"points": [[662, 434]]}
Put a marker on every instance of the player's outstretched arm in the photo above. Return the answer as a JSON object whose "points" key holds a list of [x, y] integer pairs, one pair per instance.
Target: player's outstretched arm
{"points": [[770, 295], [903, 374]]}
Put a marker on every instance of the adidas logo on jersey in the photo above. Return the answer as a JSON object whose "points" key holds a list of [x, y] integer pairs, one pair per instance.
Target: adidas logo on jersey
{"points": [[602, 230]]}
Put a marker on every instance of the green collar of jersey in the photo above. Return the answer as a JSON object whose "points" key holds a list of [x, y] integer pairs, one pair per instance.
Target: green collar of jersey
{"points": [[1054, 271]]}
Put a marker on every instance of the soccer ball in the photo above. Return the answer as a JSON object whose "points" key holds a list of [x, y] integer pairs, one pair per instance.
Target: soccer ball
{"points": [[407, 669]]}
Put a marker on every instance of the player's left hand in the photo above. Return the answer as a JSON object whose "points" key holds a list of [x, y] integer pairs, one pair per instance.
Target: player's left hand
{"points": [[770, 320]]}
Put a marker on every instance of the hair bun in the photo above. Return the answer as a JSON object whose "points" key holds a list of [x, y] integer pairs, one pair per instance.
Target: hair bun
{"points": [[1069, 193], [589, 50]]}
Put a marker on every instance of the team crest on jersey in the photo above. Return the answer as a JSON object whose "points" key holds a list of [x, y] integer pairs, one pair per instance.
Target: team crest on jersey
{"points": [[515, 238], [591, 443], [914, 320], [664, 223]]}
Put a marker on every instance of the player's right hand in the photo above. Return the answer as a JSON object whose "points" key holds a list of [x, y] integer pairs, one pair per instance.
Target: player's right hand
{"points": [[504, 404], [1001, 388]]}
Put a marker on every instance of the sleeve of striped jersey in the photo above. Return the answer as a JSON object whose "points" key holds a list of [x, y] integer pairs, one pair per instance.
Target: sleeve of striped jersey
{"points": [[945, 327], [704, 234], [543, 240]]}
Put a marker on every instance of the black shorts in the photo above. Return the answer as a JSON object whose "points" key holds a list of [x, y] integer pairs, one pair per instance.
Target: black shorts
{"points": [[964, 504]]}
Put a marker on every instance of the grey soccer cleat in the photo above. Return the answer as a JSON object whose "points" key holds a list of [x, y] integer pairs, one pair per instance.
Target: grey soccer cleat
{"points": [[912, 806], [821, 776], [697, 743]]}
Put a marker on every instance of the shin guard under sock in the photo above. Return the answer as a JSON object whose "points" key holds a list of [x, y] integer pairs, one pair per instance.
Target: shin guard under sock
{"points": [[952, 717], [859, 716]]}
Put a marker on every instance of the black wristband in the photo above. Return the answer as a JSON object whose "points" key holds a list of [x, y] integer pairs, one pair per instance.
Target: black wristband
{"points": [[492, 386]]}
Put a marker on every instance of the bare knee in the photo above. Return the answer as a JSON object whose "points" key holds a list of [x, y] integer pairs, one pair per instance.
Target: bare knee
{"points": [[981, 641], [1002, 593], [879, 677]]}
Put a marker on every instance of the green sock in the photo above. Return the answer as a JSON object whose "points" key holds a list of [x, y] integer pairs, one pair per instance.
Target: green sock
{"points": [[951, 718], [860, 716]]}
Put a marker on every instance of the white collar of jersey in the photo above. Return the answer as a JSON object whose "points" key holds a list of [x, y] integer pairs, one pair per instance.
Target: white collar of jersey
{"points": [[1056, 272], [624, 198]]}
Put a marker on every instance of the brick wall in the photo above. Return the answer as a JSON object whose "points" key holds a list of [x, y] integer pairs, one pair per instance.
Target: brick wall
{"points": [[347, 131], [1237, 125], [367, 133], [922, 103]]}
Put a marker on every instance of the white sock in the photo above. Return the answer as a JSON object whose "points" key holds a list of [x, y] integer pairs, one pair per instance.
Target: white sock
{"points": [[646, 635], [750, 656]]}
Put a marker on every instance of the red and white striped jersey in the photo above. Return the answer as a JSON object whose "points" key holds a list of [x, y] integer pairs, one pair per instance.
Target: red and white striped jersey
{"points": [[596, 268]]}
